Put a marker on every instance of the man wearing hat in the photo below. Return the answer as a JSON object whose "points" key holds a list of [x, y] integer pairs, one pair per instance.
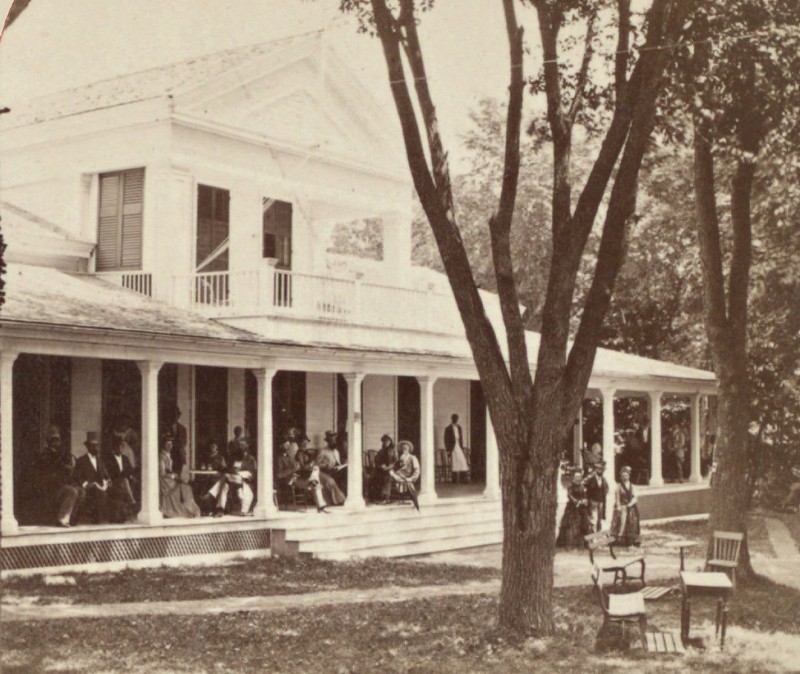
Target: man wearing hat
{"points": [[92, 479], [596, 491], [54, 484]]}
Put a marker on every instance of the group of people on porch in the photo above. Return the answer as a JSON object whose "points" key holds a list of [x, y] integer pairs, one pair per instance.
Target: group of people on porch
{"points": [[104, 484]]}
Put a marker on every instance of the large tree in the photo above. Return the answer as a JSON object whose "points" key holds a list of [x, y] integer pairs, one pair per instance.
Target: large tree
{"points": [[740, 84], [531, 415]]}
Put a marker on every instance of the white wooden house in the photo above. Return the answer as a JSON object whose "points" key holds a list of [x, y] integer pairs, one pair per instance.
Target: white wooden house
{"points": [[168, 243]]}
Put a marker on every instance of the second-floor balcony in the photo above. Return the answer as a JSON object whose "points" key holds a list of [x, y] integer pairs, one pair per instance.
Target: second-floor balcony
{"points": [[269, 291]]}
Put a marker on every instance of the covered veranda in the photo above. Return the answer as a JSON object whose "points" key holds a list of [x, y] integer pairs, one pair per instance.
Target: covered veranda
{"points": [[87, 326]]}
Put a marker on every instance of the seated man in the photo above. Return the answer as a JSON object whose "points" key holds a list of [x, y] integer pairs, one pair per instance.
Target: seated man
{"points": [[122, 504], [237, 482], [53, 479], [384, 463], [290, 475], [406, 470], [92, 478]]}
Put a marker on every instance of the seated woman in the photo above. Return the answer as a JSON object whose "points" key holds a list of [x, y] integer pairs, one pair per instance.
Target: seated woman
{"points": [[406, 470], [290, 475], [575, 521], [385, 461], [175, 493], [625, 521], [310, 469], [329, 463]]}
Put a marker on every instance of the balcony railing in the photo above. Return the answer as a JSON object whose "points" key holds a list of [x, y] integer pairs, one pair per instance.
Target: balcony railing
{"points": [[280, 292], [138, 281]]}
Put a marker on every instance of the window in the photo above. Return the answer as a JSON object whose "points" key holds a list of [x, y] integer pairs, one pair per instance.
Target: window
{"points": [[119, 221], [213, 228], [277, 231]]}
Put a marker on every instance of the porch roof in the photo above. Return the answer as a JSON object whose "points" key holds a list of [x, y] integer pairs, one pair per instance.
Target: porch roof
{"points": [[46, 296], [42, 296]]}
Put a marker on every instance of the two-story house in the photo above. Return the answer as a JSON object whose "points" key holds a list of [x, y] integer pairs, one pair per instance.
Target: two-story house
{"points": [[169, 252]]}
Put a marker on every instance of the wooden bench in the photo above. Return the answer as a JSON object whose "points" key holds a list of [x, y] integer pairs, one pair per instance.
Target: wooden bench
{"points": [[611, 563]]}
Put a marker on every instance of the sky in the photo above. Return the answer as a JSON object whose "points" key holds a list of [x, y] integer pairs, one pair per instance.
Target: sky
{"points": [[58, 44]]}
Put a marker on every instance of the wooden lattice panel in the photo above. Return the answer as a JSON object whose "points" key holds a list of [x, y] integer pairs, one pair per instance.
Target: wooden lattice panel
{"points": [[92, 552]]}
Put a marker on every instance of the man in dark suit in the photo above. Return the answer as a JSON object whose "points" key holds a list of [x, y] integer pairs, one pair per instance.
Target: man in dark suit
{"points": [[123, 479], [180, 440], [596, 491], [54, 469], [91, 477]]}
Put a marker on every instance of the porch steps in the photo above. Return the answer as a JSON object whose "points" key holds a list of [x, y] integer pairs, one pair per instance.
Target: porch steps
{"points": [[394, 531]]}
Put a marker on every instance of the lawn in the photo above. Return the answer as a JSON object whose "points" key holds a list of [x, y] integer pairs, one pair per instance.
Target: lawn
{"points": [[269, 576], [453, 634]]}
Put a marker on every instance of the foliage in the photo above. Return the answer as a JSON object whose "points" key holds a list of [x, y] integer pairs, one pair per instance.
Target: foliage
{"points": [[359, 238]]}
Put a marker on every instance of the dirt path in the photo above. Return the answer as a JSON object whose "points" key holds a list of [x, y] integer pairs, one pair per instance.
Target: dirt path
{"points": [[785, 567], [235, 604]]}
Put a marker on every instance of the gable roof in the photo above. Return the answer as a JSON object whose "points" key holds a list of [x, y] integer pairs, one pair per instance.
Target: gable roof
{"points": [[160, 81]]}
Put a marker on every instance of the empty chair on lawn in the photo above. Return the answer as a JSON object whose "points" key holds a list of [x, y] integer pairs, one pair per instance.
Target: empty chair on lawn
{"points": [[620, 566], [621, 609], [724, 553]]}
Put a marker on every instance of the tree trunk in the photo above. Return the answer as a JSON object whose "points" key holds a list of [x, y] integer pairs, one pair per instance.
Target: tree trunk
{"points": [[731, 491], [529, 519]]}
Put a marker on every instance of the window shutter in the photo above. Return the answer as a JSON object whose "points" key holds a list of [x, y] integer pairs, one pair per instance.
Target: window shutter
{"points": [[108, 222], [132, 211], [120, 219]]}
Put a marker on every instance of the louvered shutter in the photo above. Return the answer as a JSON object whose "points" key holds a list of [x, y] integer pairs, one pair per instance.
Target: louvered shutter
{"points": [[108, 221], [119, 236], [132, 210]]}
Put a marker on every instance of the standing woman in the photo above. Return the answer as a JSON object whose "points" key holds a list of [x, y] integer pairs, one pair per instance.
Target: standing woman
{"points": [[575, 521], [625, 522]]}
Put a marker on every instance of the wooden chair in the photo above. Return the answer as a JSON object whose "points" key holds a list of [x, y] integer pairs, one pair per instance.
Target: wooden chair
{"points": [[621, 609], [292, 496], [619, 566], [724, 553], [442, 472]]}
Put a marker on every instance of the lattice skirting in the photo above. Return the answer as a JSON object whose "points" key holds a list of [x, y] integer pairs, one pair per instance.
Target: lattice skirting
{"points": [[90, 552]]}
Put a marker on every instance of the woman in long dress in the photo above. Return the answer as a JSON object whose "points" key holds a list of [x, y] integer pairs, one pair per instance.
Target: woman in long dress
{"points": [[625, 522], [175, 493], [575, 521]]}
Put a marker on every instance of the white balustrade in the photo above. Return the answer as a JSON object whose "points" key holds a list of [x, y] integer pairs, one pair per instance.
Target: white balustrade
{"points": [[137, 281], [271, 291]]}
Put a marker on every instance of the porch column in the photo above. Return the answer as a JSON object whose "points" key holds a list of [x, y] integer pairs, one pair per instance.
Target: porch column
{"points": [[8, 523], [427, 449], [577, 455], [265, 506], [695, 474], [656, 474], [150, 512], [607, 395], [355, 492], [492, 489]]}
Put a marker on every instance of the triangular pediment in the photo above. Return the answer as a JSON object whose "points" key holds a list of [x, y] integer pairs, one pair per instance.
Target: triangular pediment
{"points": [[305, 99]]}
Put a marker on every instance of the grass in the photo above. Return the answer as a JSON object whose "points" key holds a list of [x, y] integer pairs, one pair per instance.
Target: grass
{"points": [[270, 576], [452, 634]]}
